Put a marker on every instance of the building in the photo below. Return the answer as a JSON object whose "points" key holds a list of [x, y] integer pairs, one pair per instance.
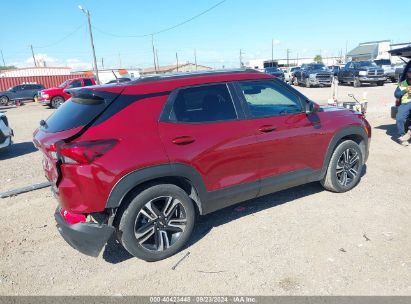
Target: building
{"points": [[106, 75], [370, 51], [186, 67], [35, 71]]}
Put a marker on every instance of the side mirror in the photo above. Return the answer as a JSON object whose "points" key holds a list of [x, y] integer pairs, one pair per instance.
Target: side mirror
{"points": [[311, 107]]}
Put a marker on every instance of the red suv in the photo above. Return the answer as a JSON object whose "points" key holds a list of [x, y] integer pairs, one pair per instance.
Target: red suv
{"points": [[54, 97], [140, 160]]}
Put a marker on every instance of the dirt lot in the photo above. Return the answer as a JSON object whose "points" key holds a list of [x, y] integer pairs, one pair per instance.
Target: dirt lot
{"points": [[302, 241]]}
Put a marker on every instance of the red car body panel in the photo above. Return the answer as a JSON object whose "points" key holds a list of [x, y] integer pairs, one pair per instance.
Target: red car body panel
{"points": [[238, 152]]}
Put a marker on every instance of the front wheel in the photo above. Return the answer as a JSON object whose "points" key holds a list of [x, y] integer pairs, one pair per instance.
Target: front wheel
{"points": [[307, 82], [345, 167], [157, 223], [380, 83], [357, 82], [56, 101]]}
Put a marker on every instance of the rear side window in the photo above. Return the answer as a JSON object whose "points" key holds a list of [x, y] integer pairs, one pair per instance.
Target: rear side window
{"points": [[203, 104], [74, 113], [265, 98], [74, 84], [87, 82]]}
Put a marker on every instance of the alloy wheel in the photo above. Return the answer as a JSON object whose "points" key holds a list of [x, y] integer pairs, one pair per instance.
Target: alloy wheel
{"points": [[347, 168], [160, 223]]}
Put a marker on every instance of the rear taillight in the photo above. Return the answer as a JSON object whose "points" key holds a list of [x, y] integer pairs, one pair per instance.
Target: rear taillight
{"points": [[72, 218], [84, 152]]}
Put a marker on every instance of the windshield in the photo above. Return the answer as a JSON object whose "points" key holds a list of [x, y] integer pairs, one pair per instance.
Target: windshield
{"points": [[383, 62], [317, 67], [62, 85], [365, 64], [273, 69]]}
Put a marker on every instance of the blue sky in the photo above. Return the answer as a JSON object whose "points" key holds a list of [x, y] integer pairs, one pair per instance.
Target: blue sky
{"points": [[305, 27]]}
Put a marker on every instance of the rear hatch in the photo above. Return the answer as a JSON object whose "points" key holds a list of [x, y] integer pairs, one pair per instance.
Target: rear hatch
{"points": [[71, 120]]}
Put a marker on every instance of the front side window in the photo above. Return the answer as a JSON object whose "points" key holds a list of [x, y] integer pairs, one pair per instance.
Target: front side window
{"points": [[265, 98], [203, 104]]}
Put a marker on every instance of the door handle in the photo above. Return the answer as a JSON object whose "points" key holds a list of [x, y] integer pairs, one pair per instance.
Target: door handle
{"points": [[183, 140], [266, 129]]}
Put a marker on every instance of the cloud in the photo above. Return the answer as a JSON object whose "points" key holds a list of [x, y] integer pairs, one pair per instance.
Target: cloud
{"points": [[77, 64], [42, 58]]}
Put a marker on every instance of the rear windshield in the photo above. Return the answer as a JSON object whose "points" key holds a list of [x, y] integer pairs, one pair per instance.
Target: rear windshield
{"points": [[74, 113]]}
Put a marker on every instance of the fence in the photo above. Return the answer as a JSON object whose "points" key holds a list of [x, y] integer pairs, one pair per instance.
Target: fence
{"points": [[47, 81]]}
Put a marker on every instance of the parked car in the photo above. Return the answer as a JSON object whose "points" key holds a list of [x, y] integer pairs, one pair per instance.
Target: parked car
{"points": [[313, 74], [20, 92], [387, 66], [404, 52], [6, 133], [292, 76], [334, 69], [398, 71], [54, 97], [119, 80], [140, 160], [359, 72], [275, 71]]}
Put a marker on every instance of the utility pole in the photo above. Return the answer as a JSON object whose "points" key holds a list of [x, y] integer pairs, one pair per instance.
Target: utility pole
{"points": [[154, 53], [288, 57], [158, 65], [119, 60], [2, 57], [177, 60], [87, 13], [102, 62], [272, 51], [241, 58], [195, 58], [34, 58]]}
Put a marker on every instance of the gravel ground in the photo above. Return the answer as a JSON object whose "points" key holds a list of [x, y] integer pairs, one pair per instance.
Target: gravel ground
{"points": [[302, 241]]}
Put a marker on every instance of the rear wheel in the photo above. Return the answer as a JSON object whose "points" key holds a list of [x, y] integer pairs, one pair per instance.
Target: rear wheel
{"points": [[157, 222], [56, 101], [345, 167]]}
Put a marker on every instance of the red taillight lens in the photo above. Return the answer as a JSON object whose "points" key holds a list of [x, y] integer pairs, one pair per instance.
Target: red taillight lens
{"points": [[85, 152], [72, 218]]}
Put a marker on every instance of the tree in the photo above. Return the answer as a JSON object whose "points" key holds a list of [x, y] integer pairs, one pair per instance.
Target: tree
{"points": [[318, 59]]}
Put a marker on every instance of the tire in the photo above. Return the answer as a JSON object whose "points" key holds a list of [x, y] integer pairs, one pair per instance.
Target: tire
{"points": [[35, 98], [148, 212], [307, 82], [380, 83], [4, 100], [345, 167], [357, 82], [295, 81], [56, 101]]}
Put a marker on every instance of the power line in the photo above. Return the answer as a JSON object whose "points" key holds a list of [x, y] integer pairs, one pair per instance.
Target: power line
{"points": [[163, 30], [62, 39]]}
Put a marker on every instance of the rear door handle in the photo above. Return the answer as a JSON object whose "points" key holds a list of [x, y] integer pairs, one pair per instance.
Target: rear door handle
{"points": [[266, 129], [183, 140]]}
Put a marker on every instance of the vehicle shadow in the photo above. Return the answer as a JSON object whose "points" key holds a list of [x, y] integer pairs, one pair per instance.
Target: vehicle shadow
{"points": [[16, 150], [390, 130], [114, 253]]}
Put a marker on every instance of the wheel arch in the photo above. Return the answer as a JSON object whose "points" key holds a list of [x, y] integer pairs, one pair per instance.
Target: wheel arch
{"points": [[181, 175], [354, 133]]}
